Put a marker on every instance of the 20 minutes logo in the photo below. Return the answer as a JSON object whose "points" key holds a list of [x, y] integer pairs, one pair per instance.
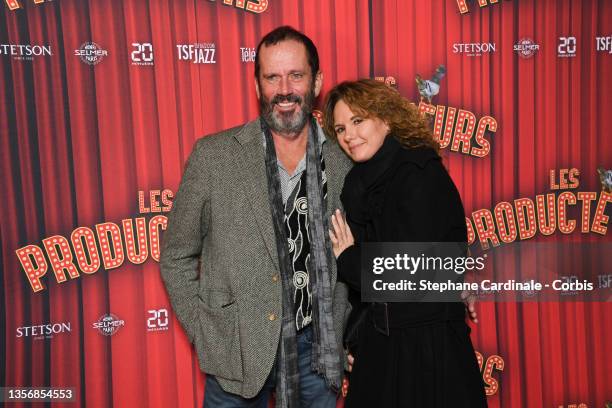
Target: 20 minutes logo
{"points": [[142, 54], [567, 47], [157, 320]]}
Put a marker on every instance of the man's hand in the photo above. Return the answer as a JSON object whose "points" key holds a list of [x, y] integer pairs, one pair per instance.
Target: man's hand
{"points": [[469, 299], [341, 236]]}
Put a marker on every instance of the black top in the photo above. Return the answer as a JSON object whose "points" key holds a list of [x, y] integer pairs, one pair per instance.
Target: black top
{"points": [[426, 358], [401, 195]]}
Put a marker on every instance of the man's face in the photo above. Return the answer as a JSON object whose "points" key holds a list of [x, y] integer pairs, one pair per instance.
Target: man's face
{"points": [[285, 87]]}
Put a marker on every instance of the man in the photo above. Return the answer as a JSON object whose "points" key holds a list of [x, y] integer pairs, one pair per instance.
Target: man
{"points": [[246, 260]]}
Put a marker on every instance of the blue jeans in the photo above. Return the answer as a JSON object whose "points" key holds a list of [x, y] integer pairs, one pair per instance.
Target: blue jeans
{"points": [[314, 393]]}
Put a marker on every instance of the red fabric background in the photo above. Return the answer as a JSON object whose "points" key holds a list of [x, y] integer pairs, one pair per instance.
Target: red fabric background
{"points": [[78, 142]]}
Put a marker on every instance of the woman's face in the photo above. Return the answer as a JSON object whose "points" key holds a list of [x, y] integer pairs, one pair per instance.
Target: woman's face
{"points": [[359, 137]]}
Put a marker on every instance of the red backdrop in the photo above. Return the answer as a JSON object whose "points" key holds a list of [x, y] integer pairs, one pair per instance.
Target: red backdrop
{"points": [[79, 142]]}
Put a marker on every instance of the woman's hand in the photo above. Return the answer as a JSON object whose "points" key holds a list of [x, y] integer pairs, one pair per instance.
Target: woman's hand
{"points": [[469, 299], [341, 236], [351, 361]]}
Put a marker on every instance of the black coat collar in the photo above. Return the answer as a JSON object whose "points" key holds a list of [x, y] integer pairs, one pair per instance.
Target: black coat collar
{"points": [[364, 186]]}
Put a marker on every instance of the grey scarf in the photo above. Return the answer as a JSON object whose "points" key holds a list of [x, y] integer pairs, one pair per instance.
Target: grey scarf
{"points": [[325, 352]]}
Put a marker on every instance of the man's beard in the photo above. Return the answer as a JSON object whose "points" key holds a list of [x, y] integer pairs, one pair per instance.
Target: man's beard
{"points": [[287, 123]]}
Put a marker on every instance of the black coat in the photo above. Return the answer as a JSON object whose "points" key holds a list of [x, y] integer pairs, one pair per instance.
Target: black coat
{"points": [[427, 359]]}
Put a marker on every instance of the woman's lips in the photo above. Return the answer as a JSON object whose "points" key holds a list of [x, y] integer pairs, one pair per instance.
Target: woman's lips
{"points": [[355, 147]]}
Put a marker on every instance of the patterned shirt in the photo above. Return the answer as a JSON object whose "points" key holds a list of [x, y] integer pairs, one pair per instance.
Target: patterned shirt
{"points": [[296, 226]]}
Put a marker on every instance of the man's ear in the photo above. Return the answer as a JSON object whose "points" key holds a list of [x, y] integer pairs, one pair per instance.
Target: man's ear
{"points": [[257, 92], [318, 83]]}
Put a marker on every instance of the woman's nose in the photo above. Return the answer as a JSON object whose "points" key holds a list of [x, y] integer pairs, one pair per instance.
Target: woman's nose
{"points": [[349, 134]]}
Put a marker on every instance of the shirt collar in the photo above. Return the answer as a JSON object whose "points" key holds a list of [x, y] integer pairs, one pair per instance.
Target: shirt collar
{"points": [[320, 135]]}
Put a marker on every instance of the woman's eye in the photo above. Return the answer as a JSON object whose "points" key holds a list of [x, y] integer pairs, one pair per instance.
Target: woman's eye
{"points": [[339, 130], [357, 121]]}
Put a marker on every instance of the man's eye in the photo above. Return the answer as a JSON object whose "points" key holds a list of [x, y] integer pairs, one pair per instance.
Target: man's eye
{"points": [[297, 76], [273, 78]]}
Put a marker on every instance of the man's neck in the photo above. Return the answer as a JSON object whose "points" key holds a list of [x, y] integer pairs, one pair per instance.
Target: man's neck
{"points": [[290, 149]]}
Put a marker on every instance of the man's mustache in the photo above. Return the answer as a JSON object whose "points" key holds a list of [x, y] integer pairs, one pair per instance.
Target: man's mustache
{"points": [[286, 98]]}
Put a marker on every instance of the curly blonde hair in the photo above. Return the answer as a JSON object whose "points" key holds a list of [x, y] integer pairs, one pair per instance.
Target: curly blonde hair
{"points": [[370, 98]]}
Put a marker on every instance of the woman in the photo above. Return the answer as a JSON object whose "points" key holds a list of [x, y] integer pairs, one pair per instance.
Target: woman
{"points": [[406, 354]]}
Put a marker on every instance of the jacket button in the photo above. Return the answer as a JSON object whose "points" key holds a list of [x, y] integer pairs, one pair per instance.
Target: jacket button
{"points": [[275, 278], [271, 317]]}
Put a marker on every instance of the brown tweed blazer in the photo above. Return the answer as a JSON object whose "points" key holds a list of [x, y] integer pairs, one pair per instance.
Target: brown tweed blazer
{"points": [[219, 260]]}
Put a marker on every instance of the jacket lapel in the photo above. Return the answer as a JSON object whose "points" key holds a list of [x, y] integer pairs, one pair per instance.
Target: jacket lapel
{"points": [[252, 163], [332, 175]]}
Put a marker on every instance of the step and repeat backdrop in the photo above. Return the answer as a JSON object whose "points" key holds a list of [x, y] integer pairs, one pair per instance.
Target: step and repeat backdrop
{"points": [[102, 102]]}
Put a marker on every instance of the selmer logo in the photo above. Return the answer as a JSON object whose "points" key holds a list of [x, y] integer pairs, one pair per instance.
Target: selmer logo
{"points": [[91, 53], [108, 324]]}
